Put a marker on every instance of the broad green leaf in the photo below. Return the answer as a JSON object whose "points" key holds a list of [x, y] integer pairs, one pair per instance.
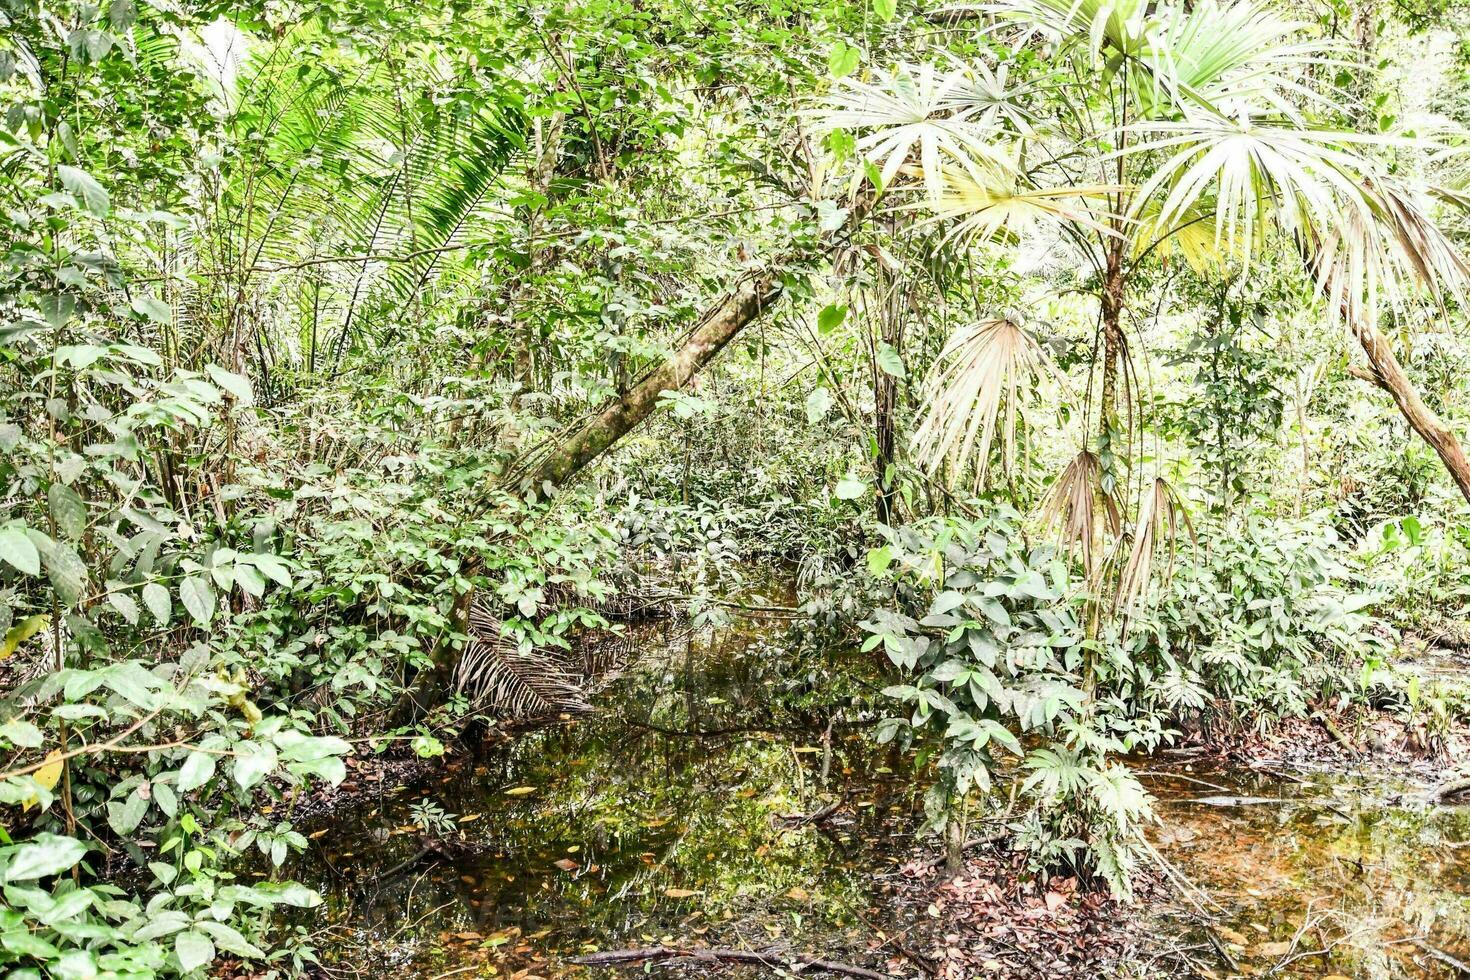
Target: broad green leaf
{"points": [[156, 598], [92, 195], [66, 571], [68, 510], [885, 9], [273, 568], [229, 939], [17, 551], [818, 404], [125, 605], [889, 361], [153, 308], [197, 770], [22, 631], [198, 598], [194, 950], [850, 489], [20, 732], [124, 816], [46, 854], [843, 59], [831, 317], [233, 383], [253, 762]]}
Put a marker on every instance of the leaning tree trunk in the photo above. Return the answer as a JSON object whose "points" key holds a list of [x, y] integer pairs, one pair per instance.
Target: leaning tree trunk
{"points": [[737, 309], [1389, 375]]}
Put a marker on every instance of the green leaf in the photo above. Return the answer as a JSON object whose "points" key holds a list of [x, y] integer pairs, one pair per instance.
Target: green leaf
{"points": [[273, 568], [232, 383], [17, 551], [253, 762], [66, 571], [818, 404], [229, 939], [22, 631], [831, 317], [46, 854], [133, 681], [92, 195], [153, 308], [885, 9], [68, 510], [889, 361], [879, 559], [198, 598], [156, 598], [22, 733], [197, 770], [843, 59], [125, 816], [125, 605], [194, 950], [850, 489]]}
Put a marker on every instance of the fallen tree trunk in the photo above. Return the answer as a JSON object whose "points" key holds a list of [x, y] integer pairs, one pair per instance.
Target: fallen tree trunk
{"points": [[772, 959], [1389, 375], [751, 296]]}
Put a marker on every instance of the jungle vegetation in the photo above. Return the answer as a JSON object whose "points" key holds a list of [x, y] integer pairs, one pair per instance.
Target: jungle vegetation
{"points": [[1097, 367]]}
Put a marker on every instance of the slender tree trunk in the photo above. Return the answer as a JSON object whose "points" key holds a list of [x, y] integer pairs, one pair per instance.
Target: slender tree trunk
{"points": [[1389, 375], [1113, 339], [736, 310]]}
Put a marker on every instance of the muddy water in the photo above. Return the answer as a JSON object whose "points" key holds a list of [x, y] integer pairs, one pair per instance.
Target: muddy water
{"points": [[1314, 874], [661, 818]]}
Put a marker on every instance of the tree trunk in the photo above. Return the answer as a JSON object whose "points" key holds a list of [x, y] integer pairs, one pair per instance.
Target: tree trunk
{"points": [[750, 297], [1113, 340], [737, 309], [1390, 376]]}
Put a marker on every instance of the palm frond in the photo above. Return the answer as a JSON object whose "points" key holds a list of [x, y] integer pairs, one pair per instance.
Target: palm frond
{"points": [[919, 111], [1162, 516], [990, 204], [983, 368], [496, 675], [1081, 510]]}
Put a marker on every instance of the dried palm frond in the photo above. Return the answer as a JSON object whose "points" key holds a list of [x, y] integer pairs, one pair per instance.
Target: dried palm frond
{"points": [[1161, 516], [496, 675], [1384, 254], [1080, 509], [982, 367]]}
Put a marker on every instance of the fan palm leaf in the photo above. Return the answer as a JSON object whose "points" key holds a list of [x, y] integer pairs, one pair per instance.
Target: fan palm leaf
{"points": [[983, 369]]}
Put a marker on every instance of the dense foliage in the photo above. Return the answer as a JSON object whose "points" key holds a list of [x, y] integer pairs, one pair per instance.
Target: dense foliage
{"points": [[1029, 340]]}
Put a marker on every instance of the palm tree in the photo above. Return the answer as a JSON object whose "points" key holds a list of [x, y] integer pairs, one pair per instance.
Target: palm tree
{"points": [[1171, 127]]}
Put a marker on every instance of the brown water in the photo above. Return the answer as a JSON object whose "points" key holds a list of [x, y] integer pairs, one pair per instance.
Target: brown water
{"points": [[1313, 874], [659, 818]]}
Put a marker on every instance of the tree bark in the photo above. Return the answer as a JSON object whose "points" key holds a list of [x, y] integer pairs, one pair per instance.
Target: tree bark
{"points": [[1390, 376], [1113, 339], [737, 309]]}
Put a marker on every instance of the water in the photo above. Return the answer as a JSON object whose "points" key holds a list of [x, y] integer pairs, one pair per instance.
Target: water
{"points": [[661, 818], [1354, 866]]}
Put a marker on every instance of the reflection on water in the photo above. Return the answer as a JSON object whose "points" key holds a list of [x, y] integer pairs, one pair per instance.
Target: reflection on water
{"points": [[1309, 863], [659, 816]]}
